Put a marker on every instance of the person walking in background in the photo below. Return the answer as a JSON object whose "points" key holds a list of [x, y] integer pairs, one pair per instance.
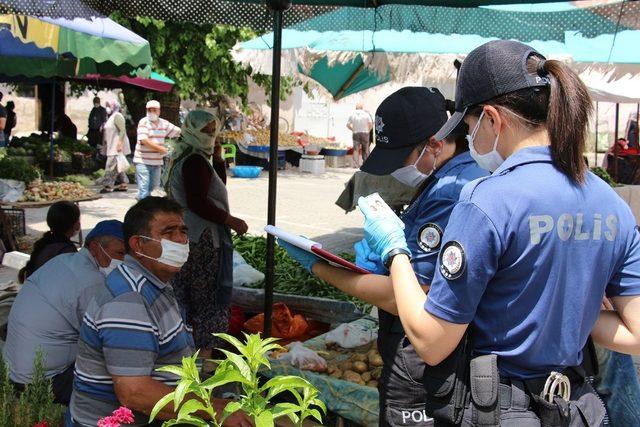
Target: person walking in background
{"points": [[97, 118], [151, 149], [197, 183], [360, 124], [12, 121], [114, 146]]}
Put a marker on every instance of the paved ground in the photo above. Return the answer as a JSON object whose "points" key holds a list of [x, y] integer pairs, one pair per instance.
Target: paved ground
{"points": [[306, 205]]}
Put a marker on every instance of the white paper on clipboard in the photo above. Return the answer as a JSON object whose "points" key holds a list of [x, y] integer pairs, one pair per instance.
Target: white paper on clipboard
{"points": [[313, 247]]}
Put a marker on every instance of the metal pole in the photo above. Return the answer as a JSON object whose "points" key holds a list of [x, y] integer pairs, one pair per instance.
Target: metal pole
{"points": [[52, 127], [615, 144], [596, 150], [278, 7]]}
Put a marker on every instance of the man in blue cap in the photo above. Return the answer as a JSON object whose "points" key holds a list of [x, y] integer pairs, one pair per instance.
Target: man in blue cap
{"points": [[49, 308]]}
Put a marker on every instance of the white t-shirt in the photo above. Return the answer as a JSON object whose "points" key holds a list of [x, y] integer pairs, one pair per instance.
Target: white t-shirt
{"points": [[360, 121]]}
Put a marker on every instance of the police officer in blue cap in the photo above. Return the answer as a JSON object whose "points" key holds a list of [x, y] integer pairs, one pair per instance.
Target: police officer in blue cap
{"points": [[406, 148], [529, 252]]}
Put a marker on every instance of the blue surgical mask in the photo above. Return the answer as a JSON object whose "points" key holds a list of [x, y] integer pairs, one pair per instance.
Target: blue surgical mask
{"points": [[411, 175], [489, 161]]}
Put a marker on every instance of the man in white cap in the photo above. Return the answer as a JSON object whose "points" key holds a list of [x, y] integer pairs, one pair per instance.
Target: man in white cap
{"points": [[151, 149]]}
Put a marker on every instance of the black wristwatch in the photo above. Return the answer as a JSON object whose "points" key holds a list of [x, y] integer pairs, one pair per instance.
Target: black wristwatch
{"points": [[394, 252]]}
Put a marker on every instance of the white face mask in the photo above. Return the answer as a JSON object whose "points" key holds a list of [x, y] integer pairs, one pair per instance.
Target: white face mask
{"points": [[97, 104], [489, 161], [173, 254], [113, 264], [153, 117], [108, 110], [411, 175]]}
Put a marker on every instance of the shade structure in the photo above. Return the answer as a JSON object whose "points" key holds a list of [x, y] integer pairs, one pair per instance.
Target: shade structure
{"points": [[252, 13], [46, 47], [583, 36], [156, 82]]}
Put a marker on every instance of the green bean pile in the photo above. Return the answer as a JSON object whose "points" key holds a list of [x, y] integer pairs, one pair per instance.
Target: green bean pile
{"points": [[290, 277]]}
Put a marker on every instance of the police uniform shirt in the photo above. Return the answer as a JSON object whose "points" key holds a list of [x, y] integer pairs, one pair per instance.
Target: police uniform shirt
{"points": [[527, 257], [426, 219]]}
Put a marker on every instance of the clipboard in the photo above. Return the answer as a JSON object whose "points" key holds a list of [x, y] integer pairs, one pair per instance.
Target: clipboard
{"points": [[315, 248]]}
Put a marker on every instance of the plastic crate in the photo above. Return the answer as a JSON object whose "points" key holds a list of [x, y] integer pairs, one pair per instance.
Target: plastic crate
{"points": [[16, 219], [246, 171]]}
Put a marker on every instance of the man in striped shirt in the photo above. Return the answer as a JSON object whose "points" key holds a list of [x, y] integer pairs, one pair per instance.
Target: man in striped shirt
{"points": [[151, 149], [135, 325]]}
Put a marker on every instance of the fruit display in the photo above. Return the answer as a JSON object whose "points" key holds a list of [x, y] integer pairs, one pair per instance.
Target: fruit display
{"points": [[39, 191]]}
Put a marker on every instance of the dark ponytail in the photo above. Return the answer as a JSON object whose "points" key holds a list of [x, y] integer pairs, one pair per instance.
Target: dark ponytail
{"points": [[563, 107], [568, 115]]}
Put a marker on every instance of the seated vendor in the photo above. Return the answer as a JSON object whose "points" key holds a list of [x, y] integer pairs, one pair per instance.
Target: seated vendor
{"points": [[137, 326], [49, 308], [63, 220]]}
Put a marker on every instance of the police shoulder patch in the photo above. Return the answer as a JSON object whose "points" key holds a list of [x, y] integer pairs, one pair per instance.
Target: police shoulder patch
{"points": [[429, 237], [452, 260]]}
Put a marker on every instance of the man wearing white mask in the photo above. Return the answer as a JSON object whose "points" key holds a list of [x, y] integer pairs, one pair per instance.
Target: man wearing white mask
{"points": [[138, 325], [48, 310], [151, 149]]}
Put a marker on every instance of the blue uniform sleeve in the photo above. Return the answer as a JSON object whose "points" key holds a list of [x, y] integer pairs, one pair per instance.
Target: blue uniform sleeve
{"points": [[626, 281], [425, 237], [467, 261]]}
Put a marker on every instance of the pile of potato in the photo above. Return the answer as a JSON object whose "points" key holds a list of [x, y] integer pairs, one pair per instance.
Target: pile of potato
{"points": [[39, 191], [361, 367]]}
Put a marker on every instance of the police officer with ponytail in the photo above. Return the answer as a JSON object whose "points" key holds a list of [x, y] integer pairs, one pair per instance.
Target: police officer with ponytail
{"points": [[406, 148], [529, 251]]}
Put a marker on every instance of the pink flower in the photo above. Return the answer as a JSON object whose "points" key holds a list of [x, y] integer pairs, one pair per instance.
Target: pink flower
{"points": [[108, 422], [42, 423], [123, 415]]}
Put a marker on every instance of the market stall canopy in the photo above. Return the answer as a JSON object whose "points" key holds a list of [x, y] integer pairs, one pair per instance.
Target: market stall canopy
{"points": [[47, 47], [156, 82], [245, 13], [587, 37], [625, 90]]}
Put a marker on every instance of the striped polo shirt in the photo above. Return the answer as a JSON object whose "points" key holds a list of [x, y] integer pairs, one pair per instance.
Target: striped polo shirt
{"points": [[156, 133], [130, 329]]}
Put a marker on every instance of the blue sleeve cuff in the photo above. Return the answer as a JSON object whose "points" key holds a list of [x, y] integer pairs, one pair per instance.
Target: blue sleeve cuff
{"points": [[445, 314]]}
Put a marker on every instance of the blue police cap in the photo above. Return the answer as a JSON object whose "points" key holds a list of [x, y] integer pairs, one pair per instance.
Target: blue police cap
{"points": [[111, 227]]}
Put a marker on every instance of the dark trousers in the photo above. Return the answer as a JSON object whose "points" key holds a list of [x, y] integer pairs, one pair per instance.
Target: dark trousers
{"points": [[95, 137]]}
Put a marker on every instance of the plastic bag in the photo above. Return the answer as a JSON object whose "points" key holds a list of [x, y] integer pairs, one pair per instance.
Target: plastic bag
{"points": [[243, 273], [122, 164], [304, 358], [11, 190], [284, 323], [351, 335]]}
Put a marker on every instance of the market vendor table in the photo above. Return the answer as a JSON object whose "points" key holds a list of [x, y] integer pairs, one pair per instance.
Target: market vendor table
{"points": [[349, 400], [44, 204]]}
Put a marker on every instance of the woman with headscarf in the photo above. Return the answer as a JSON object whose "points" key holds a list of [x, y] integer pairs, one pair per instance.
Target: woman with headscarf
{"points": [[196, 179], [115, 143]]}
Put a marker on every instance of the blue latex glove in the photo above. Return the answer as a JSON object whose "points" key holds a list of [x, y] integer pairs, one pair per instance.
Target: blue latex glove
{"points": [[306, 259], [382, 234], [367, 259]]}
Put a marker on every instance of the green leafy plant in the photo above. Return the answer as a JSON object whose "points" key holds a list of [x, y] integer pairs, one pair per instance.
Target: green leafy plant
{"points": [[192, 397], [18, 169], [290, 276], [85, 180], [34, 405], [604, 175]]}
